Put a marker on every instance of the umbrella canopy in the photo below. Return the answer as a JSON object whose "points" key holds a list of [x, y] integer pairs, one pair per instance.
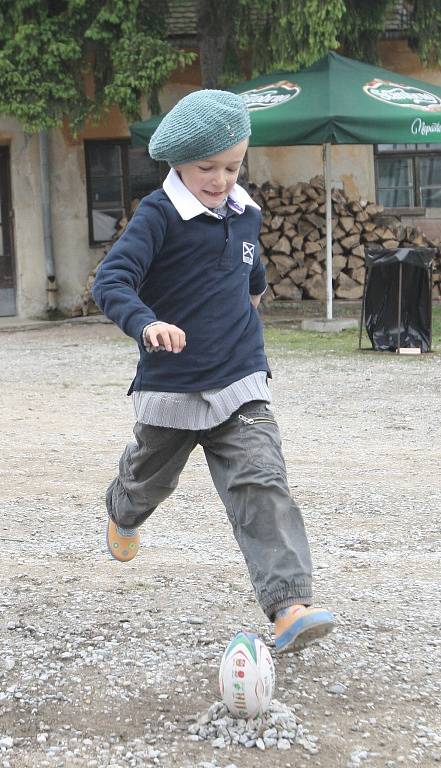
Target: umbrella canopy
{"points": [[337, 101], [144, 130]]}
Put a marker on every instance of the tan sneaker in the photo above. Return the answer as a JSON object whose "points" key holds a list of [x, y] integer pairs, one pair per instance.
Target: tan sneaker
{"points": [[122, 548]]}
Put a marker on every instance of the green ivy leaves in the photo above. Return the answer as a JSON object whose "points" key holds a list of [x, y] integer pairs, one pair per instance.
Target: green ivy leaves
{"points": [[47, 47]]}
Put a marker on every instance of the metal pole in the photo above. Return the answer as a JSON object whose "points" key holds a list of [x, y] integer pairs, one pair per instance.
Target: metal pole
{"points": [[400, 286], [430, 278], [47, 222], [328, 205]]}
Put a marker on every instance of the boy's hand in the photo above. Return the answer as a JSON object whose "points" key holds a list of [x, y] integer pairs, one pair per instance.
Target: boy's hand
{"points": [[255, 299], [165, 336]]}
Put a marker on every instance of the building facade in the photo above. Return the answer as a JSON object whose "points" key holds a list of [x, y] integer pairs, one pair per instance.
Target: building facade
{"points": [[95, 179]]}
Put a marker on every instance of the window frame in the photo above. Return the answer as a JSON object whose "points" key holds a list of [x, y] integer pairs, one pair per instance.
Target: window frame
{"points": [[414, 155], [123, 144]]}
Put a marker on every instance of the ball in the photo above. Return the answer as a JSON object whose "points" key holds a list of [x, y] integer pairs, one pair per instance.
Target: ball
{"points": [[247, 676]]}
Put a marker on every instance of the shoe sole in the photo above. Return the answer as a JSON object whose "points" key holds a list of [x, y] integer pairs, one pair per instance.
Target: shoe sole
{"points": [[306, 636], [111, 552]]}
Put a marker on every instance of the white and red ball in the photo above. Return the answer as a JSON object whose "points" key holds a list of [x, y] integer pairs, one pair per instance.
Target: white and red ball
{"points": [[247, 676]]}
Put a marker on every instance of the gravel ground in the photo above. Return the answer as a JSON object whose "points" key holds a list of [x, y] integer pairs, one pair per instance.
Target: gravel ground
{"points": [[108, 664]]}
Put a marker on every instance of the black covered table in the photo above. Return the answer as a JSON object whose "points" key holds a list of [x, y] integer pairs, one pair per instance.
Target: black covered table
{"points": [[397, 298]]}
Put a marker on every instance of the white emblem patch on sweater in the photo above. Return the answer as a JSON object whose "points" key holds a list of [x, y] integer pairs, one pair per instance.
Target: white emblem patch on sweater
{"points": [[247, 252]]}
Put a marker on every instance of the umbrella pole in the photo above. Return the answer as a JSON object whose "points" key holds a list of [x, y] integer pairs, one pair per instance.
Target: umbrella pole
{"points": [[328, 205]]}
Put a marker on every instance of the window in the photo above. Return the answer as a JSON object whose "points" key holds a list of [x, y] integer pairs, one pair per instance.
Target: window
{"points": [[408, 175], [117, 173]]}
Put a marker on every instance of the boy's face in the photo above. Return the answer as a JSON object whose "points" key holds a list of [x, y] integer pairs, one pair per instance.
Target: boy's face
{"points": [[211, 179]]}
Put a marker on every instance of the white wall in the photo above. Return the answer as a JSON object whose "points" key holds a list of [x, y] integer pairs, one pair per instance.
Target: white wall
{"points": [[26, 204], [352, 165], [72, 254]]}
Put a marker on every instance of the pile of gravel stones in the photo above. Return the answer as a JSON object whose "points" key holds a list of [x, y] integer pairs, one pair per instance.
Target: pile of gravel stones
{"points": [[277, 727]]}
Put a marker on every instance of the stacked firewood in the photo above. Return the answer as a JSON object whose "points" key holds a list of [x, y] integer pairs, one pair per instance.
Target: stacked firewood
{"points": [[293, 240]]}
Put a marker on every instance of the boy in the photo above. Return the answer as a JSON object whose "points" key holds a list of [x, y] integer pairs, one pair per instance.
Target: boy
{"points": [[184, 281]]}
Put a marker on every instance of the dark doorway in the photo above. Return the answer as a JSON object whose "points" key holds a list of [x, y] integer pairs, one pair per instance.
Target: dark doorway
{"points": [[7, 265]]}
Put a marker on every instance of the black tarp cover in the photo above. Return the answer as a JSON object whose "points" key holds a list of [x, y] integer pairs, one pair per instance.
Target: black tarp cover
{"points": [[381, 299]]}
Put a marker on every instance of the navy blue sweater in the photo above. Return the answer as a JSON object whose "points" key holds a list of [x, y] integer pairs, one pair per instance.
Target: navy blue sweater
{"points": [[196, 274]]}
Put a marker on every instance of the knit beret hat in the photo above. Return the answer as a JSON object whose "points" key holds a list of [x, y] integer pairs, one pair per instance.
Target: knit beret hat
{"points": [[199, 125]]}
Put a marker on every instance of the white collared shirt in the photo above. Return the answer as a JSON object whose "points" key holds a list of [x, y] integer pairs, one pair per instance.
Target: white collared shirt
{"points": [[188, 206]]}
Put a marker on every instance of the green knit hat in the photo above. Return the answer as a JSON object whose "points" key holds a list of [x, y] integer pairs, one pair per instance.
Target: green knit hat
{"points": [[199, 125]]}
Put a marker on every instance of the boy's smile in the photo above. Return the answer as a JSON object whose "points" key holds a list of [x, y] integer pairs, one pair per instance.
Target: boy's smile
{"points": [[211, 180]]}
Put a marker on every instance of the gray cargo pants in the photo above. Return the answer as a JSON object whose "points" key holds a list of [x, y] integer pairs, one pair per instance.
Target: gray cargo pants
{"points": [[245, 460]]}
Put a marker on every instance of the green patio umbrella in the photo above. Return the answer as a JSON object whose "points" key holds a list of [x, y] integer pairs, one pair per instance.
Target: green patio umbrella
{"points": [[334, 101]]}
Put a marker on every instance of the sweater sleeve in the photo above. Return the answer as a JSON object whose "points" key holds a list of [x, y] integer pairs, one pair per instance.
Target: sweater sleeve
{"points": [[125, 267], [257, 275]]}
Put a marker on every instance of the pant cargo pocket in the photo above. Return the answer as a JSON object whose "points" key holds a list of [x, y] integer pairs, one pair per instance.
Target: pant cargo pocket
{"points": [[260, 436]]}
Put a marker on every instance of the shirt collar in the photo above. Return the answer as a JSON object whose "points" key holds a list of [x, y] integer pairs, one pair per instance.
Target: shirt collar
{"points": [[188, 206]]}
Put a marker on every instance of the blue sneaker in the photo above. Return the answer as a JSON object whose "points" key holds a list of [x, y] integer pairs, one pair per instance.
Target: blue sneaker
{"points": [[298, 626]]}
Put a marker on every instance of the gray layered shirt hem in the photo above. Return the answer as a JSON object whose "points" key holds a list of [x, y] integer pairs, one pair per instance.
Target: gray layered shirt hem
{"points": [[199, 410]]}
